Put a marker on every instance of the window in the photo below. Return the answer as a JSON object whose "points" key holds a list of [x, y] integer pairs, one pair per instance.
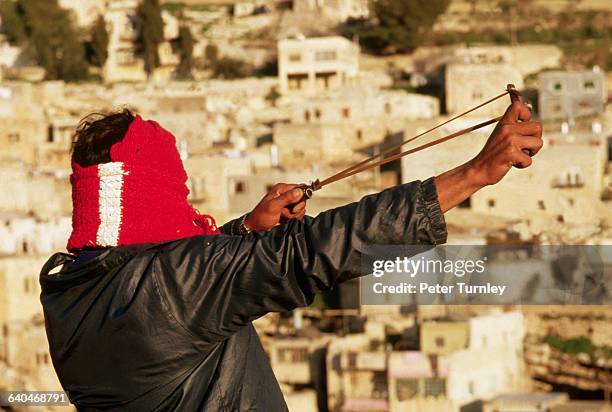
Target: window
{"points": [[588, 85], [388, 108], [291, 355], [435, 387], [295, 57], [558, 86], [50, 137], [325, 55], [346, 112], [379, 383], [317, 113], [268, 188], [239, 187], [470, 388], [296, 81], [572, 177], [491, 202], [439, 341], [307, 116], [13, 137], [406, 388], [541, 205], [359, 134], [477, 95]]}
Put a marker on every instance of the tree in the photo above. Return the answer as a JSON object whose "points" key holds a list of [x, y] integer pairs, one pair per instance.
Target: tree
{"points": [[185, 46], [230, 68], [272, 96], [12, 22], [211, 54], [397, 25], [56, 47], [151, 33], [97, 48]]}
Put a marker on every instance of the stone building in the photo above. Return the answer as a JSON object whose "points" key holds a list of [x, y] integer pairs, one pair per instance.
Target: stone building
{"points": [[20, 291], [567, 95], [363, 105], [315, 64], [468, 85], [305, 145], [211, 186], [565, 182]]}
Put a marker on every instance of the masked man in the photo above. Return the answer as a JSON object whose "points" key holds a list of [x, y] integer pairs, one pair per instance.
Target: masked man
{"points": [[152, 308]]}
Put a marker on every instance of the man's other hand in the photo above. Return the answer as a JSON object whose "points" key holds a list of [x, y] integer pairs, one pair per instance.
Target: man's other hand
{"points": [[513, 142], [275, 208]]}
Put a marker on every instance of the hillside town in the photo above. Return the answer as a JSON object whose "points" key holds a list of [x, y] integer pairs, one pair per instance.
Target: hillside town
{"points": [[270, 91]]}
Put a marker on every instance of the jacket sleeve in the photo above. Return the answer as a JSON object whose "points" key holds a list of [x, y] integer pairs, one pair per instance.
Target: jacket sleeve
{"points": [[214, 285]]}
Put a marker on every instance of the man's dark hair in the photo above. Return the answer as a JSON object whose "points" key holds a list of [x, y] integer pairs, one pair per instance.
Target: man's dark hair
{"points": [[95, 135]]}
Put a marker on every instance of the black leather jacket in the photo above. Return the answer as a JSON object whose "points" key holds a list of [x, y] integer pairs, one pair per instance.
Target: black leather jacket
{"points": [[167, 326]]}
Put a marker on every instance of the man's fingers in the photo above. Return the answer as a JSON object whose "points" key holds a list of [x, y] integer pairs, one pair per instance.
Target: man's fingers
{"points": [[517, 111], [521, 160], [532, 144], [525, 128], [292, 212], [278, 189], [291, 196], [298, 208]]}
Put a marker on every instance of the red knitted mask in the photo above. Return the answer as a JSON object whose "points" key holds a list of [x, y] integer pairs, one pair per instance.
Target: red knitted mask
{"points": [[139, 197]]}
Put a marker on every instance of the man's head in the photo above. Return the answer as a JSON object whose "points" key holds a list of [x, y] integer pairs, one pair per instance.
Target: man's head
{"points": [[129, 185], [96, 134]]}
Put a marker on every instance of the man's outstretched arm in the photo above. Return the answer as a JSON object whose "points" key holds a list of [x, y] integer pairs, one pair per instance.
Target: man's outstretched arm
{"points": [[215, 285], [218, 284]]}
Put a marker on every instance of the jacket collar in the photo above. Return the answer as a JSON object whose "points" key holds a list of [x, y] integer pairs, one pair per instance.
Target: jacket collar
{"points": [[68, 276]]}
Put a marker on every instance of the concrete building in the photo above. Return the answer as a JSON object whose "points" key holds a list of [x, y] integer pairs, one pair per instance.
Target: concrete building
{"points": [[567, 95], [468, 85], [315, 64]]}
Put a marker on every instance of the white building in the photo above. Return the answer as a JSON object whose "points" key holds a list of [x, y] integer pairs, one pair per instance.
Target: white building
{"points": [[316, 64]]}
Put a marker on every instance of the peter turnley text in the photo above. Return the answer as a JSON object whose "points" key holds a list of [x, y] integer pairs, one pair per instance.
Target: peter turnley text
{"points": [[436, 288]]}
